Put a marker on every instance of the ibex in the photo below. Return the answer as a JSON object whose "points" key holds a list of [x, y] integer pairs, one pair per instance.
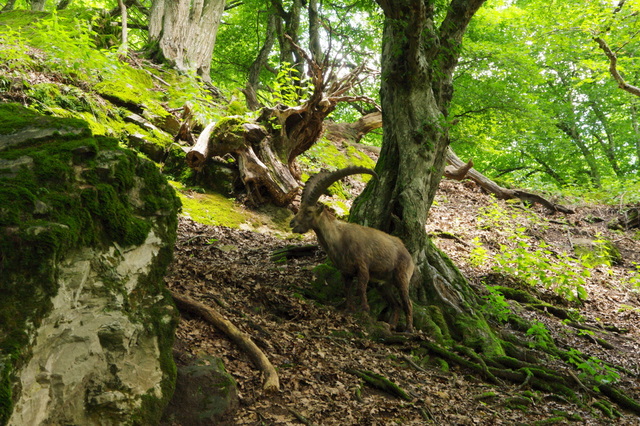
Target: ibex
{"points": [[355, 250]]}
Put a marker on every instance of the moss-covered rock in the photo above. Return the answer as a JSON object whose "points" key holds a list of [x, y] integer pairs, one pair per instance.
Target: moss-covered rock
{"points": [[86, 233], [206, 389], [597, 252]]}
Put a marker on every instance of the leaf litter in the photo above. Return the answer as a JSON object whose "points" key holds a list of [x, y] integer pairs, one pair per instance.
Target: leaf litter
{"points": [[313, 346]]}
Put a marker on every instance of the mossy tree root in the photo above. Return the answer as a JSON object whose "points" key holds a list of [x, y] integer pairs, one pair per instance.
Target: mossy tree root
{"points": [[532, 374], [380, 382], [617, 396]]}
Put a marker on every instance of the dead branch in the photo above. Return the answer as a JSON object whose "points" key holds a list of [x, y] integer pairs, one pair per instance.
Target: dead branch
{"points": [[200, 151], [271, 382], [459, 170], [613, 68]]}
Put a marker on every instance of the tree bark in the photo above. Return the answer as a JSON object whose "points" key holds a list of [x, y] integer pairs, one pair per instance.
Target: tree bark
{"points": [[418, 60], [124, 46], [314, 32], [183, 32], [251, 89], [267, 148], [354, 131], [8, 5], [38, 5]]}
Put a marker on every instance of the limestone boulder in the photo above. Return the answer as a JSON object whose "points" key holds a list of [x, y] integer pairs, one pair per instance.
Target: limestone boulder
{"points": [[86, 233]]}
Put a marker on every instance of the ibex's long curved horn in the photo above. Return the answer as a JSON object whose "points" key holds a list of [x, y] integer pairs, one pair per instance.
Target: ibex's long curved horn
{"points": [[319, 182]]}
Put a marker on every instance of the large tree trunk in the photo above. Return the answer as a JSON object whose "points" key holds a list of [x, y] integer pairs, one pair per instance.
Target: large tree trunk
{"points": [[417, 62], [183, 32]]}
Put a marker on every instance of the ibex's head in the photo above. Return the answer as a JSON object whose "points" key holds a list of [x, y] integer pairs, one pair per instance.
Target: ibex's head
{"points": [[316, 185]]}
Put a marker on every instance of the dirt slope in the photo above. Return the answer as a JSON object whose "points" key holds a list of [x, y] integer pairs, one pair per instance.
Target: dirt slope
{"points": [[313, 346]]}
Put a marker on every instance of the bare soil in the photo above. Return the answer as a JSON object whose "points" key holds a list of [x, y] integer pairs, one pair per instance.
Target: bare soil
{"points": [[313, 346]]}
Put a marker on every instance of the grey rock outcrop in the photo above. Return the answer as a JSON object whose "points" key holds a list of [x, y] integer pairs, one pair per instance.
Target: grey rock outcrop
{"points": [[86, 233]]}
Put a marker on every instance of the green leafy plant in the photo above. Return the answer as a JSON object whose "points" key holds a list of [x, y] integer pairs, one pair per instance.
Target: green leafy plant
{"points": [[479, 255], [496, 305], [528, 260], [593, 368], [286, 88], [537, 265], [634, 277], [540, 335], [13, 50]]}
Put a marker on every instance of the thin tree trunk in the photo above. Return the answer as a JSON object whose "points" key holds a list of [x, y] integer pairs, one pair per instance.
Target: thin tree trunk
{"points": [[608, 146], [63, 4], [291, 18], [38, 5], [9, 5], [124, 46], [575, 136], [636, 131], [314, 32], [258, 64]]}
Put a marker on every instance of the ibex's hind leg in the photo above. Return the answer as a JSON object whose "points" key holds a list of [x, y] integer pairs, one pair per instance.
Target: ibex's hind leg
{"points": [[389, 296], [350, 303], [402, 280], [407, 306], [363, 281]]}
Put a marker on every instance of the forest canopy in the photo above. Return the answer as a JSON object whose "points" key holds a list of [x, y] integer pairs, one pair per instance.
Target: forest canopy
{"points": [[535, 103]]}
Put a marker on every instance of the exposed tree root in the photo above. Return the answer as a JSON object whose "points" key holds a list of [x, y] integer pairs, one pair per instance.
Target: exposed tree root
{"points": [[536, 376], [302, 419], [620, 398], [381, 383], [271, 382]]}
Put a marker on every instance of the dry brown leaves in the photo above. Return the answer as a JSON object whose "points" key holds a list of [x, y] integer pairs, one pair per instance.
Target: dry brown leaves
{"points": [[312, 346]]}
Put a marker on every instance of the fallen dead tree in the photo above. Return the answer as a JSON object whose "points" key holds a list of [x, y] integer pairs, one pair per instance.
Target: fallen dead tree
{"points": [[459, 170], [264, 149]]}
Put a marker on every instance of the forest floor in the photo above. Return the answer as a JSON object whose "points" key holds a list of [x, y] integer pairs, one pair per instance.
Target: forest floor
{"points": [[313, 346]]}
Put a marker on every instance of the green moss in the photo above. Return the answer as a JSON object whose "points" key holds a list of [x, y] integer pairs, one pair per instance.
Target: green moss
{"points": [[325, 154], [77, 191], [14, 117], [209, 208]]}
